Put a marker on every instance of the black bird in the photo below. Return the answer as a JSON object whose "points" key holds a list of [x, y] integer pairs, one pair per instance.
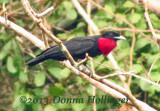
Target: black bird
{"points": [[79, 46]]}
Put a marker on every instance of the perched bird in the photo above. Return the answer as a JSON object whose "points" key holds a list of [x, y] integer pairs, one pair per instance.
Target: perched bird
{"points": [[79, 46]]}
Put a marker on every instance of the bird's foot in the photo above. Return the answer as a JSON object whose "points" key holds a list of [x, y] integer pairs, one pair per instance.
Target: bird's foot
{"points": [[90, 71], [84, 62], [85, 69]]}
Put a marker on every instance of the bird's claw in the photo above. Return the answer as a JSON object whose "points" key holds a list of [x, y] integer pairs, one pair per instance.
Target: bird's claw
{"points": [[85, 69], [90, 71]]}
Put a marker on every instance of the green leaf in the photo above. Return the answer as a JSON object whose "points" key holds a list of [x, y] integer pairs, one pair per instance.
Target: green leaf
{"points": [[141, 24], [20, 23], [50, 108], [23, 77], [128, 4], [79, 107], [5, 50], [55, 71], [120, 22], [155, 76], [141, 42], [102, 24], [15, 46], [137, 67], [10, 65], [78, 33], [56, 90], [4, 1], [90, 89], [154, 17], [39, 92], [67, 4], [145, 86], [135, 17], [17, 105], [71, 13], [81, 25], [3, 54], [98, 59], [4, 37], [151, 59], [37, 107], [123, 44], [59, 73], [19, 88], [39, 79], [65, 73], [123, 53], [62, 35], [111, 9]]}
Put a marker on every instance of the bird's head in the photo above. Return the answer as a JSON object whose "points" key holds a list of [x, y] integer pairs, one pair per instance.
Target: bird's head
{"points": [[113, 35]]}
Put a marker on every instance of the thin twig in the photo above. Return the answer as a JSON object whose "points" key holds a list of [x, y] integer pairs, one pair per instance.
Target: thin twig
{"points": [[124, 20], [150, 69], [85, 16], [21, 31], [129, 73], [155, 36], [91, 59], [82, 62], [95, 29], [108, 88], [38, 21], [45, 40], [126, 29], [131, 57], [45, 12]]}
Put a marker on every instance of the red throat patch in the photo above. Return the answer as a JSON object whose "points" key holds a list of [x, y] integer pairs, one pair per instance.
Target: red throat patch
{"points": [[106, 45]]}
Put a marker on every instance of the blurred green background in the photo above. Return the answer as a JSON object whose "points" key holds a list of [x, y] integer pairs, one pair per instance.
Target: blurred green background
{"points": [[51, 78]]}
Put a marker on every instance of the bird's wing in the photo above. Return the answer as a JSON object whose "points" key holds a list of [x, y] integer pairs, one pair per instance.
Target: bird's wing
{"points": [[75, 46], [52, 51], [79, 45]]}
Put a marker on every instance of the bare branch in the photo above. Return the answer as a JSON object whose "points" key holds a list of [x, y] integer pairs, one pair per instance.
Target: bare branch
{"points": [[22, 32], [150, 69], [153, 5], [126, 29], [155, 36], [111, 90], [122, 19], [95, 28], [131, 74], [85, 16], [45, 12], [38, 21], [131, 57]]}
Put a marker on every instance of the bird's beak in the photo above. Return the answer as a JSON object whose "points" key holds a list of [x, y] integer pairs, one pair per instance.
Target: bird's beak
{"points": [[120, 38]]}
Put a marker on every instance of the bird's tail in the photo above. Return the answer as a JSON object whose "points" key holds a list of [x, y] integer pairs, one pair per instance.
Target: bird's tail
{"points": [[36, 60]]}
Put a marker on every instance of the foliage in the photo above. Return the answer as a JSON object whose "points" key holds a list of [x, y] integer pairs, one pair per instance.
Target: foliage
{"points": [[51, 79]]}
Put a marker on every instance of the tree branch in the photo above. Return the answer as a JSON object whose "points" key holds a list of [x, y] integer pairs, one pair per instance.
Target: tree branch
{"points": [[104, 85], [21, 31], [153, 5], [95, 28], [38, 21]]}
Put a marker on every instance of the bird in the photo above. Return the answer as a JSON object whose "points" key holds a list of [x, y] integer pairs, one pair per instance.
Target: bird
{"points": [[79, 46]]}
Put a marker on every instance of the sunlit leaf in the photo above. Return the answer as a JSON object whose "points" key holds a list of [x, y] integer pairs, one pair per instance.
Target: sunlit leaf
{"points": [[10, 65], [39, 79], [128, 4], [23, 77], [135, 17], [50, 108]]}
